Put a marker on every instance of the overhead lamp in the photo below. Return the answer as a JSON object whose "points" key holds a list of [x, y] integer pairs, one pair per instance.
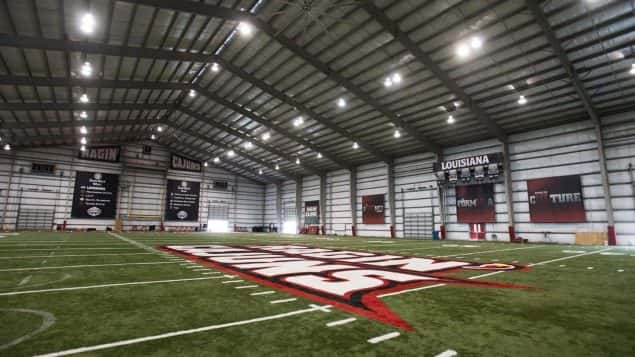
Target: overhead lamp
{"points": [[248, 145], [84, 98], [245, 28], [476, 42], [266, 136], [632, 71], [397, 134], [319, 155], [216, 160], [522, 100], [83, 141], [260, 172], [355, 145], [159, 128], [205, 164], [297, 161], [192, 93], [341, 102], [83, 115], [86, 70], [451, 120], [153, 137], [298, 121], [231, 153], [277, 167], [87, 23], [396, 78], [7, 147], [462, 50], [388, 82], [83, 148], [215, 67], [83, 130]]}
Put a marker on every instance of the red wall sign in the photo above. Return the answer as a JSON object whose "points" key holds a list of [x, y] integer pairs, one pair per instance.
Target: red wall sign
{"points": [[475, 203], [373, 209], [556, 199]]}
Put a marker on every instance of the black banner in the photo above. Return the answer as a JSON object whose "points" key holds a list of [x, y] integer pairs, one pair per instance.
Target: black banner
{"points": [[182, 163], [475, 203], [373, 209], [556, 200], [479, 160], [311, 212], [182, 199], [101, 153], [95, 195]]}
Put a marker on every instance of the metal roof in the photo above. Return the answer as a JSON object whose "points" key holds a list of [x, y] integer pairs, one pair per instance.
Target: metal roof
{"points": [[571, 60]]}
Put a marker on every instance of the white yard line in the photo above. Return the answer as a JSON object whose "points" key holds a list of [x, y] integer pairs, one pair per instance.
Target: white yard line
{"points": [[83, 266], [385, 337], [447, 353], [489, 251], [135, 243], [312, 308], [246, 287], [101, 286], [231, 281], [72, 255], [489, 274], [340, 322], [263, 293], [282, 301]]}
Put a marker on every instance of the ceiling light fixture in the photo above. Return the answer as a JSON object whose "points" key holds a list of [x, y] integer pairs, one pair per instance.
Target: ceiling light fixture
{"points": [[153, 137], [319, 155], [192, 93], [216, 160], [231, 153], [87, 23], [248, 145], [205, 164], [215, 67], [388, 82], [266, 136], [298, 121], [522, 100], [245, 28], [462, 50], [83, 130], [83, 148], [86, 70], [7, 147], [277, 167], [451, 120], [260, 172], [84, 98], [476, 42], [396, 78], [159, 128], [341, 103], [632, 71], [83, 115], [297, 161], [397, 134], [83, 141], [355, 145]]}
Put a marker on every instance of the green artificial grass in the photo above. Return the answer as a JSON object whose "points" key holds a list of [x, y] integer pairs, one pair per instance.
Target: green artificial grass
{"points": [[573, 310]]}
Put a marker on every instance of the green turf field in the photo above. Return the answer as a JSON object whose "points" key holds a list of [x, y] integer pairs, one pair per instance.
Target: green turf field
{"points": [[60, 292]]}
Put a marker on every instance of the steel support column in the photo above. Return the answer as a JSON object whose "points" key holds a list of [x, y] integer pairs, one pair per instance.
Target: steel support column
{"points": [[323, 203], [391, 198], [509, 202], [353, 198], [298, 203]]}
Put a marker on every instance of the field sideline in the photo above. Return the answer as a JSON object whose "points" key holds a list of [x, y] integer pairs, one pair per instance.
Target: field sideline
{"points": [[115, 294]]}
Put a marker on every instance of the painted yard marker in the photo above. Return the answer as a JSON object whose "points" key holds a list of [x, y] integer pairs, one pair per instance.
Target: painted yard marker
{"points": [[83, 266], [263, 293], [282, 301], [232, 281], [620, 270], [340, 322], [101, 286], [312, 308], [71, 255], [385, 337], [574, 251], [612, 253], [49, 249], [25, 280], [448, 353], [589, 268], [246, 287], [563, 265], [490, 251]]}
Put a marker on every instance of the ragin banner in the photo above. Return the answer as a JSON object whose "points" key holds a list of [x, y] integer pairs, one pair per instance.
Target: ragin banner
{"points": [[95, 195], [182, 200], [475, 203], [479, 160], [101, 153], [373, 211], [312, 212], [556, 199], [182, 163]]}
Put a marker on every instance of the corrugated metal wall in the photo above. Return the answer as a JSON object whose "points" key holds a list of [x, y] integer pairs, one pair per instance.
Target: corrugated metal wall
{"points": [[142, 187]]}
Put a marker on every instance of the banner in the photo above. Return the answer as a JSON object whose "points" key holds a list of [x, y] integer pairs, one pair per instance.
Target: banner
{"points": [[182, 163], [95, 195], [556, 199], [373, 209], [475, 203], [182, 200], [479, 160], [101, 153], [311, 212]]}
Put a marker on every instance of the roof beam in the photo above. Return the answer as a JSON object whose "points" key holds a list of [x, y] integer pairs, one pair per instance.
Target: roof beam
{"points": [[140, 52], [61, 140], [556, 46], [78, 123], [380, 16], [200, 117], [234, 15], [81, 106]]}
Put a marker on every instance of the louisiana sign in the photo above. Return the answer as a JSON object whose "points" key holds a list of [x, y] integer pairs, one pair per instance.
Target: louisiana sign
{"points": [[349, 280]]}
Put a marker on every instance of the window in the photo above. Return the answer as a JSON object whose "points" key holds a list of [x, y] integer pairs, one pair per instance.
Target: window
{"points": [[42, 169]]}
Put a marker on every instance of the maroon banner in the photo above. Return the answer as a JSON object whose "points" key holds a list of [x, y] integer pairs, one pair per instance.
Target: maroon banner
{"points": [[373, 209], [556, 199], [475, 203], [311, 212]]}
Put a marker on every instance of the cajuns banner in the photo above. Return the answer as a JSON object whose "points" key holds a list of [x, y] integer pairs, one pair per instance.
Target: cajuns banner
{"points": [[178, 162], [312, 212], [182, 200], [475, 203], [556, 199], [95, 195], [373, 209]]}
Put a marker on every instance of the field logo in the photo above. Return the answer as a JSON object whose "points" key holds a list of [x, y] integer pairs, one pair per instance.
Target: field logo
{"points": [[350, 280]]}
